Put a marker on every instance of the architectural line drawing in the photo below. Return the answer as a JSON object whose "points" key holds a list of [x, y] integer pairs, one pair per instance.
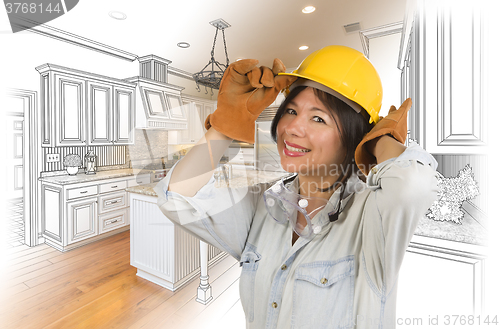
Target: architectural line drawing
{"points": [[140, 113]]}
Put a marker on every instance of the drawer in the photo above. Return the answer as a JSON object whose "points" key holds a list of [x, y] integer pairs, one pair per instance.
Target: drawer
{"points": [[82, 192], [113, 220], [140, 180], [115, 186], [112, 201]]}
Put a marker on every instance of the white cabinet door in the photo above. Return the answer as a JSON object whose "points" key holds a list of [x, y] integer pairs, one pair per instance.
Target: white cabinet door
{"points": [[443, 75], [82, 219], [100, 113], [196, 113], [70, 105], [124, 114]]}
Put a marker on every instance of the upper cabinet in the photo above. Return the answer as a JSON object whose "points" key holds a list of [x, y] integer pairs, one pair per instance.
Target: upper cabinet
{"points": [[80, 108], [441, 59], [197, 110]]}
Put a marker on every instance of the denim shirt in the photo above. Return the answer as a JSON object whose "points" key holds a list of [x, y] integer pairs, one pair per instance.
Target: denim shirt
{"points": [[343, 277]]}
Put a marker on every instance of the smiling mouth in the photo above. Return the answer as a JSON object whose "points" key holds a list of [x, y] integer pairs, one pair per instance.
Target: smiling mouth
{"points": [[295, 149]]}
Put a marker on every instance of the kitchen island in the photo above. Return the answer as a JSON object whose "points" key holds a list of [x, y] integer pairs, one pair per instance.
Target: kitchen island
{"points": [[166, 254]]}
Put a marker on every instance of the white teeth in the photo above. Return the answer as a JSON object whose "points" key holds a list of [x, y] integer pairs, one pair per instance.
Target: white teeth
{"points": [[294, 149]]}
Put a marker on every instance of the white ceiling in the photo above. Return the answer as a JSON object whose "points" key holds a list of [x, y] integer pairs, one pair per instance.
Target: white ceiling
{"points": [[260, 29]]}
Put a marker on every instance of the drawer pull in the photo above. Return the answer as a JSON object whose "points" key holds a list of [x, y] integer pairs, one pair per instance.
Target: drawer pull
{"points": [[115, 186], [139, 182], [83, 192], [113, 221], [111, 202]]}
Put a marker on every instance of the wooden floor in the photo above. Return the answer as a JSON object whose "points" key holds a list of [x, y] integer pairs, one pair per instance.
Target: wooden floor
{"points": [[95, 286]]}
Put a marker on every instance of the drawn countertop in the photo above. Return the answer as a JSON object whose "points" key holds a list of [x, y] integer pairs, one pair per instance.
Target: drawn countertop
{"points": [[470, 231], [82, 178]]}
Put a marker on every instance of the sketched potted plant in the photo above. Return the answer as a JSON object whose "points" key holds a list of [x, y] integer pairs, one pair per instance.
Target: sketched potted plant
{"points": [[72, 162]]}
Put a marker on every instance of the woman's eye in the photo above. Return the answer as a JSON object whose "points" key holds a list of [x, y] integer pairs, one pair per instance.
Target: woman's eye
{"points": [[291, 111], [318, 119]]}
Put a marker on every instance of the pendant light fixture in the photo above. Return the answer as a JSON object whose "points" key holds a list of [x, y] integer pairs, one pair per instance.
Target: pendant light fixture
{"points": [[211, 75]]}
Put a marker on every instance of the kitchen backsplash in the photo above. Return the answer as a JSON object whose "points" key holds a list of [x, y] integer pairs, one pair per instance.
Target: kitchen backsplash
{"points": [[106, 155], [149, 144]]}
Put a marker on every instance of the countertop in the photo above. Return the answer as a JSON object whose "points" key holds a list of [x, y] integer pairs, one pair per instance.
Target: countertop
{"points": [[470, 231], [82, 178], [241, 178]]}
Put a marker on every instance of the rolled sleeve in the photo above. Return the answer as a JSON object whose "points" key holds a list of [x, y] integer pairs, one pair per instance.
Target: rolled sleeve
{"points": [[403, 188], [221, 217]]}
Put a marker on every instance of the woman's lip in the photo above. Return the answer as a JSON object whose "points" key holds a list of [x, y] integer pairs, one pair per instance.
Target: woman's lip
{"points": [[291, 153], [295, 145]]}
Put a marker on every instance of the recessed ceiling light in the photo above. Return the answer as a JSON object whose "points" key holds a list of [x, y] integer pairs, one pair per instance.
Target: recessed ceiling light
{"points": [[303, 47], [308, 9], [183, 45], [117, 15]]}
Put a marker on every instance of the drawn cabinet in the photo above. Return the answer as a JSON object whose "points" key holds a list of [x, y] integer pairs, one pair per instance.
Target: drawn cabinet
{"points": [[441, 59], [123, 115], [68, 111], [82, 219], [79, 213], [80, 108], [100, 112]]}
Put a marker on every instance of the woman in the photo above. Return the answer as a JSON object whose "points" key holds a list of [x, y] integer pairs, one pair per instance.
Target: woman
{"points": [[323, 248]]}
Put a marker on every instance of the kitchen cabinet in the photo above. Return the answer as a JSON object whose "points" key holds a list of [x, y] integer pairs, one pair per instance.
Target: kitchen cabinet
{"points": [[441, 59], [82, 219], [197, 111], [241, 156], [440, 277], [68, 114], [80, 213], [100, 112], [123, 115], [81, 108]]}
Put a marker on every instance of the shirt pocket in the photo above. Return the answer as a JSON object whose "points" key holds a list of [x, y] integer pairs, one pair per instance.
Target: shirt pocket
{"points": [[249, 262], [323, 294]]}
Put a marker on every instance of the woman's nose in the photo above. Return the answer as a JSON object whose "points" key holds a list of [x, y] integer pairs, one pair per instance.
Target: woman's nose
{"points": [[295, 127]]}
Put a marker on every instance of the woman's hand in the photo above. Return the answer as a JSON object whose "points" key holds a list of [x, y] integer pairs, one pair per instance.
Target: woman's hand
{"points": [[385, 140]]}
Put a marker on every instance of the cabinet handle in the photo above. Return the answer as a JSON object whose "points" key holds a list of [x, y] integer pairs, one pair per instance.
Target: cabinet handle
{"points": [[115, 201], [113, 221], [83, 192], [114, 186], [139, 182]]}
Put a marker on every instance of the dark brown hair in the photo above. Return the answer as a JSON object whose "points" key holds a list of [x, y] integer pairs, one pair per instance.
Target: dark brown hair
{"points": [[353, 127]]}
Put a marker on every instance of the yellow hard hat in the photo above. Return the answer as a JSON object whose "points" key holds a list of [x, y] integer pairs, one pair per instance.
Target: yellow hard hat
{"points": [[346, 71]]}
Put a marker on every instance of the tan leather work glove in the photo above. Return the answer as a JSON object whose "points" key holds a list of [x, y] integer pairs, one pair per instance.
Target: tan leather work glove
{"points": [[394, 124], [245, 91]]}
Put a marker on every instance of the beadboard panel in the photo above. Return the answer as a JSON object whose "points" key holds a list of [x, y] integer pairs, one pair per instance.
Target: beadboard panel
{"points": [[106, 155]]}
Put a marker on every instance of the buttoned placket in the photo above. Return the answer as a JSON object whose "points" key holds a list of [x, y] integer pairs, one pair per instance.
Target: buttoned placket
{"points": [[278, 284]]}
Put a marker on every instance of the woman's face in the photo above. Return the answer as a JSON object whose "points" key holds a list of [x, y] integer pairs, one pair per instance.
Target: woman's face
{"points": [[309, 138]]}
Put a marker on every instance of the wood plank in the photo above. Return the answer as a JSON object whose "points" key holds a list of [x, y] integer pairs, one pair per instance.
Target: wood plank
{"points": [[46, 310], [185, 305], [95, 286], [100, 311]]}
